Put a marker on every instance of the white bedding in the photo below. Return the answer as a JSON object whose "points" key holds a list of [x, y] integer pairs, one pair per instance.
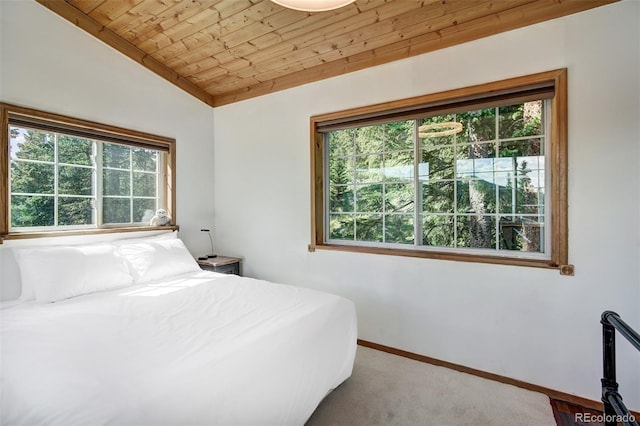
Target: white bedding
{"points": [[201, 349]]}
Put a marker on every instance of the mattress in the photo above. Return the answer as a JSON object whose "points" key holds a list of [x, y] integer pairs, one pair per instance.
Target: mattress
{"points": [[199, 349]]}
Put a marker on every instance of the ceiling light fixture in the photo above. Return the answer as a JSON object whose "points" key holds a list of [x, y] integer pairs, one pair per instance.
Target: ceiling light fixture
{"points": [[313, 5]]}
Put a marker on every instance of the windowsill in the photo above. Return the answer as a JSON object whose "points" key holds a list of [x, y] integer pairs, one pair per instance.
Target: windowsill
{"points": [[76, 232], [498, 260]]}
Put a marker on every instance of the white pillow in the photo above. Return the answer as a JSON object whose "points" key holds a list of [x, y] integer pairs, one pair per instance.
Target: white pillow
{"points": [[60, 272], [157, 237], [27, 290], [155, 260]]}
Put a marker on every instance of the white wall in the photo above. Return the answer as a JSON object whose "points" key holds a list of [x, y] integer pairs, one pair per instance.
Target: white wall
{"points": [[529, 324], [49, 64]]}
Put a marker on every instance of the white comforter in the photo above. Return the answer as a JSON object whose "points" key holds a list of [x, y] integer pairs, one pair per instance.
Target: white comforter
{"points": [[200, 349]]}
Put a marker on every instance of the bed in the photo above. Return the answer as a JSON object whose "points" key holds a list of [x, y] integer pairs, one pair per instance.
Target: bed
{"points": [[167, 344]]}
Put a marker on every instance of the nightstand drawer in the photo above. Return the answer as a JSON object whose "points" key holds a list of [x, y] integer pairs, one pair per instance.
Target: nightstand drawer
{"points": [[227, 269], [221, 264]]}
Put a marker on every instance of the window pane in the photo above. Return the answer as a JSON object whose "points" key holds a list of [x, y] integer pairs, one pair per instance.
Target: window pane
{"points": [[116, 182], [369, 168], [116, 210], [341, 198], [75, 180], [144, 159], [143, 209], [476, 231], [527, 148], [32, 211], [399, 228], [478, 125], [473, 159], [341, 227], [29, 144], [399, 197], [507, 197], [75, 211], [369, 227], [521, 201], [437, 197], [423, 171], [369, 198], [521, 120], [398, 166], [438, 231], [116, 156], [398, 136], [341, 143], [369, 139], [144, 184], [522, 234], [341, 170], [438, 162], [437, 131], [32, 178], [475, 196], [72, 150]]}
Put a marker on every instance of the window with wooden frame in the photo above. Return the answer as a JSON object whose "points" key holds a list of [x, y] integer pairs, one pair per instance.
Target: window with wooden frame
{"points": [[475, 174], [62, 175]]}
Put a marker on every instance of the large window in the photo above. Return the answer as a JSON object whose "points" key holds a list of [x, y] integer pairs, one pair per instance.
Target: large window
{"points": [[67, 175], [477, 174]]}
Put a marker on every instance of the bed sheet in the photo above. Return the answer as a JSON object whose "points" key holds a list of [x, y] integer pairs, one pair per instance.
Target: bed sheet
{"points": [[200, 349]]}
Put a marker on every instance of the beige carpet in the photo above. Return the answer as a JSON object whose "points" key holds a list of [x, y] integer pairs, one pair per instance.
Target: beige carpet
{"points": [[386, 389]]}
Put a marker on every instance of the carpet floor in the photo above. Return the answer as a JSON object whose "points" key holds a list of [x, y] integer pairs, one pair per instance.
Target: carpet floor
{"points": [[387, 389]]}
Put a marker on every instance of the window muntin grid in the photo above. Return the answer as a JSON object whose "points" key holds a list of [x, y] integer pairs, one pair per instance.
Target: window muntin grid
{"points": [[63, 194], [481, 188], [130, 182]]}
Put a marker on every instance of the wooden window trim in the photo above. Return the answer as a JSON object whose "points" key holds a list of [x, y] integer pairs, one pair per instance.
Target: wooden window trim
{"points": [[559, 256], [61, 123]]}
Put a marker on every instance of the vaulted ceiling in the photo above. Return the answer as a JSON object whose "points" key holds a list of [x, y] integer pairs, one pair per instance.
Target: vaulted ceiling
{"points": [[224, 51]]}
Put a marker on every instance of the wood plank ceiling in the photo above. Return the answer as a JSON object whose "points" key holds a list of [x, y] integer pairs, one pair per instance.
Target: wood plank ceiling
{"points": [[224, 51]]}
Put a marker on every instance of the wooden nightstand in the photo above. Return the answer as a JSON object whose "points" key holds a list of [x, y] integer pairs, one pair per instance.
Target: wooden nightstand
{"points": [[221, 264]]}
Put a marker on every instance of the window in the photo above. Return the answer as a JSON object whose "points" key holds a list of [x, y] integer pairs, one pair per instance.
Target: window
{"points": [[66, 175], [476, 174]]}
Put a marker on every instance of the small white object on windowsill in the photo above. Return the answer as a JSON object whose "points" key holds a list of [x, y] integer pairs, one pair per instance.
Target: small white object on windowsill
{"points": [[161, 218]]}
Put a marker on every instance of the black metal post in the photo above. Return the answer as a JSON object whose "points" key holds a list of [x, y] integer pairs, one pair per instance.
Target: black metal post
{"points": [[609, 383], [614, 408]]}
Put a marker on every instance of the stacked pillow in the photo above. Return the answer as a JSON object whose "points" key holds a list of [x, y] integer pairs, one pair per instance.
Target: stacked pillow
{"points": [[153, 260], [54, 273]]}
